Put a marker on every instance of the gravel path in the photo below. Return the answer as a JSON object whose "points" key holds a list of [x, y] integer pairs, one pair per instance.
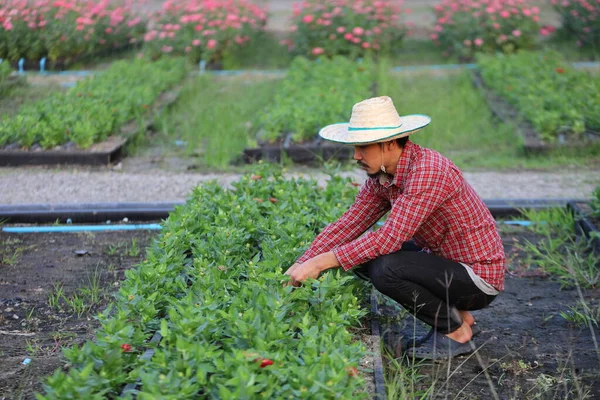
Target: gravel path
{"points": [[41, 186]]}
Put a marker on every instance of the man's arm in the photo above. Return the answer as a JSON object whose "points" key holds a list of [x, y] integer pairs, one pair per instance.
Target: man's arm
{"points": [[366, 210]]}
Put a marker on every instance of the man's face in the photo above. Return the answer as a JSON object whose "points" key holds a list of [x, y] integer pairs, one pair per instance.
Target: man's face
{"points": [[369, 158]]}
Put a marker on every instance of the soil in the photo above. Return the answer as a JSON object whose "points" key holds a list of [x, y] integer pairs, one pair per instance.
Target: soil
{"points": [[526, 349], [34, 268]]}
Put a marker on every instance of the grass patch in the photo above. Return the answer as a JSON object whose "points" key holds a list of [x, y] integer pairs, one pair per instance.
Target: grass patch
{"points": [[14, 98], [214, 119], [463, 128]]}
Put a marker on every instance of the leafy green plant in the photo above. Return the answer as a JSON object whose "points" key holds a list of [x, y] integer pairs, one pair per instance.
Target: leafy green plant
{"points": [[582, 315], [557, 252], [315, 94], [553, 96], [212, 285], [595, 203], [95, 108]]}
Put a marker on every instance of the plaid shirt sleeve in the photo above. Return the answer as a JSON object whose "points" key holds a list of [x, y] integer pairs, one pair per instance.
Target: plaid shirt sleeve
{"points": [[426, 189], [366, 210]]}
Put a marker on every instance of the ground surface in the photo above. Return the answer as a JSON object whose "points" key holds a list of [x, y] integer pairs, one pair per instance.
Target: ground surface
{"points": [[40, 186], [34, 269]]}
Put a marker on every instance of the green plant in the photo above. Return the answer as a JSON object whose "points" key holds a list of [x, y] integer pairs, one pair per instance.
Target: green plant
{"points": [[315, 94], [595, 203], [557, 253], [56, 295], [133, 250], [95, 108], [582, 314], [554, 97], [212, 285]]}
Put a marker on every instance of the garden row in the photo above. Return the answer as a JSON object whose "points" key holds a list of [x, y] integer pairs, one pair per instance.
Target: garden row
{"points": [[552, 105], [94, 109], [212, 285], [68, 30]]}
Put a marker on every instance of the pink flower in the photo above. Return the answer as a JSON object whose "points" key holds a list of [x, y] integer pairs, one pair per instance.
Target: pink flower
{"points": [[211, 44], [332, 37], [307, 19], [544, 32], [317, 50], [516, 33], [478, 42], [505, 14], [340, 29], [467, 43], [434, 36], [196, 42], [348, 36], [188, 49], [358, 31], [366, 45]]}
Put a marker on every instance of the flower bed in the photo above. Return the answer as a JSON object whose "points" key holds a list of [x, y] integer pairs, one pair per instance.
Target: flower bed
{"points": [[342, 27], [204, 29], [212, 286], [561, 103], [580, 20], [310, 97], [66, 30], [464, 28], [94, 109]]}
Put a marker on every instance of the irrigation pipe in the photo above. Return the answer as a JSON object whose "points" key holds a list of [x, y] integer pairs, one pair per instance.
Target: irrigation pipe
{"points": [[101, 212], [80, 228]]}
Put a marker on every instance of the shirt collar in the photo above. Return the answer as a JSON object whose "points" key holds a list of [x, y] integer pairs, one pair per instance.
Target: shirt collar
{"points": [[401, 168]]}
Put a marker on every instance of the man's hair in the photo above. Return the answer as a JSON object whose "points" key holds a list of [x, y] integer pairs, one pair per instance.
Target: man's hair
{"points": [[402, 141]]}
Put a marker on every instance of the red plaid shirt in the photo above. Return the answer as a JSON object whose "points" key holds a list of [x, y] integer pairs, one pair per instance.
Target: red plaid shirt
{"points": [[431, 202]]}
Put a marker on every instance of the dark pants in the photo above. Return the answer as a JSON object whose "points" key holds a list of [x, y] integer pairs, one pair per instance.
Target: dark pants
{"points": [[430, 287]]}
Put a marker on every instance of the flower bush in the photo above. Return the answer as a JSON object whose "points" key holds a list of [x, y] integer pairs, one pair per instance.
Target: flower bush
{"points": [[345, 27], [203, 29], [465, 27], [65, 29], [580, 19]]}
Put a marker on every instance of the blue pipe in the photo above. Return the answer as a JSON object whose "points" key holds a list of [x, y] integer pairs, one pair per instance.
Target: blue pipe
{"points": [[80, 228]]}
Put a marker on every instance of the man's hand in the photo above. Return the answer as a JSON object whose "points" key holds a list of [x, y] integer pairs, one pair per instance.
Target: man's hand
{"points": [[311, 268]]}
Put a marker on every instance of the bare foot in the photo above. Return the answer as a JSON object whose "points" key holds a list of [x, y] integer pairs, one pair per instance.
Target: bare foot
{"points": [[467, 317], [463, 334]]}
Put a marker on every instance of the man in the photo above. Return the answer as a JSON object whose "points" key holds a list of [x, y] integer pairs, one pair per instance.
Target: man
{"points": [[460, 265]]}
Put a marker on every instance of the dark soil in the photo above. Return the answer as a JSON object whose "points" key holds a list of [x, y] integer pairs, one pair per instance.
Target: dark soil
{"points": [[34, 268], [526, 349]]}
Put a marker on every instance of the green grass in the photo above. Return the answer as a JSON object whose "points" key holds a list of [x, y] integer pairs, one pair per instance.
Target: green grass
{"points": [[463, 128], [215, 117], [11, 101]]}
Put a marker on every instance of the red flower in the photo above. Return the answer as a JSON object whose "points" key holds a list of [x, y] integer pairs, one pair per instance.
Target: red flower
{"points": [[355, 184], [273, 200], [352, 371], [560, 70], [126, 347], [264, 362]]}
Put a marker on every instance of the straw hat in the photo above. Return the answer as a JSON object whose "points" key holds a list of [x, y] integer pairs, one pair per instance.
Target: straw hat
{"points": [[374, 120]]}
